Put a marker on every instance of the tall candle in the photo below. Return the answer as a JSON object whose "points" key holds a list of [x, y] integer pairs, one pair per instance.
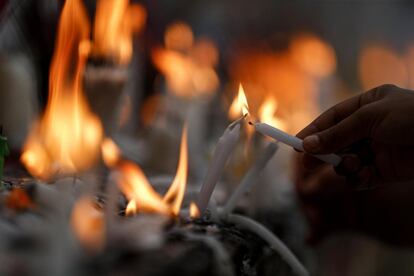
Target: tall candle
{"points": [[293, 141], [222, 153]]}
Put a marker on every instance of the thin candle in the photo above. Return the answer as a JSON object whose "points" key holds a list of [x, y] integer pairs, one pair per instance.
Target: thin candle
{"points": [[222, 153], [293, 141]]}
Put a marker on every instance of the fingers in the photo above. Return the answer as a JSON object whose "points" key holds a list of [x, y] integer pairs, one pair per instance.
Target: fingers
{"points": [[351, 129], [342, 111]]}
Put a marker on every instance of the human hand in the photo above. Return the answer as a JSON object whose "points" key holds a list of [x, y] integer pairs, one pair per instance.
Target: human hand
{"points": [[374, 131]]}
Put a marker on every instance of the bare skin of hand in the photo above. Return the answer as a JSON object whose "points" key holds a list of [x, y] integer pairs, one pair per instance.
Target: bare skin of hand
{"points": [[374, 132]]}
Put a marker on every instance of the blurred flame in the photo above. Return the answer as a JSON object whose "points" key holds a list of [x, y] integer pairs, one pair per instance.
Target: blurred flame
{"points": [[194, 211], [67, 138], [379, 65], [267, 113], [239, 106], [135, 186], [110, 152], [314, 55], [175, 193], [143, 198], [188, 66], [88, 224], [115, 23]]}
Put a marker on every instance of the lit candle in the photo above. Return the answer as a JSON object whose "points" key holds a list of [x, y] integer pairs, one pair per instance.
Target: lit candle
{"points": [[224, 149], [293, 141]]}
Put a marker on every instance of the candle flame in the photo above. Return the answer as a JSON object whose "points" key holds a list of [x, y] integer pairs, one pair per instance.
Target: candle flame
{"points": [[66, 140], [131, 208], [239, 106]]}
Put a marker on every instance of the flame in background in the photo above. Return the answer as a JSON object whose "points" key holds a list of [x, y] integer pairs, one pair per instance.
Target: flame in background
{"points": [[291, 76], [267, 113], [188, 65], [115, 23], [194, 211], [379, 65], [67, 138], [143, 198]]}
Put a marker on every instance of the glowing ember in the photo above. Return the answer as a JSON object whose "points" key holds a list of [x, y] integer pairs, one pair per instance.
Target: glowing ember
{"points": [[18, 199], [115, 23], [88, 224], [143, 198], [194, 211], [267, 114], [239, 107], [110, 152], [67, 138]]}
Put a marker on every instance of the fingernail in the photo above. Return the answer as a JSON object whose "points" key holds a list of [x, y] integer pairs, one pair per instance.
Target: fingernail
{"points": [[312, 143]]}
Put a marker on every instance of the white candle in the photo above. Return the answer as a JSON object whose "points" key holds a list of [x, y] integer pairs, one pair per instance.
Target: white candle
{"points": [[224, 149], [251, 177], [293, 141]]}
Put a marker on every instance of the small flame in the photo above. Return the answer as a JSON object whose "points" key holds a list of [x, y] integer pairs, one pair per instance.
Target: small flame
{"points": [[88, 224], [194, 211], [66, 140], [135, 186], [131, 208], [175, 193], [115, 23], [111, 154], [267, 113], [239, 106]]}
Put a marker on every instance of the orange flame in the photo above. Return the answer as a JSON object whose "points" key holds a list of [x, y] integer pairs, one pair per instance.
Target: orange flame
{"points": [[239, 106], [175, 193], [115, 23], [143, 198], [88, 224], [111, 154], [67, 138], [267, 113], [135, 186]]}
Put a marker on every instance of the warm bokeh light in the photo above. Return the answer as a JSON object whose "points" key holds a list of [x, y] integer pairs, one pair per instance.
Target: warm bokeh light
{"points": [[178, 36], [116, 21], [67, 138], [267, 113], [313, 55], [187, 65], [379, 65], [88, 224], [111, 154]]}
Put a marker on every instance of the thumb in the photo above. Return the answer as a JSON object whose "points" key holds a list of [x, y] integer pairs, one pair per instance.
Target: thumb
{"points": [[353, 128]]}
